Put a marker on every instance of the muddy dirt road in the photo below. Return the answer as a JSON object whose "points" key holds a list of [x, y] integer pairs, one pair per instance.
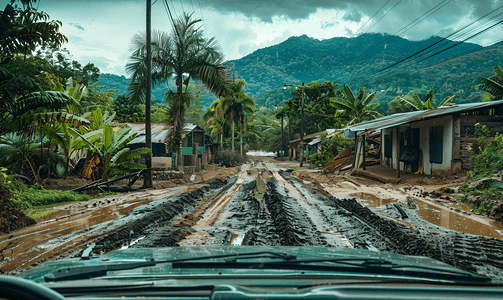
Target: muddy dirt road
{"points": [[262, 205]]}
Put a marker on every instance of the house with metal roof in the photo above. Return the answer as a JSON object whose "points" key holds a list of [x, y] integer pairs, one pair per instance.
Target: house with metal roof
{"points": [[160, 133], [435, 142]]}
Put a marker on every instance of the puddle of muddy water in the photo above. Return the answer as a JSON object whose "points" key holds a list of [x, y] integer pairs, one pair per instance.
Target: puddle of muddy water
{"points": [[449, 219], [441, 216], [372, 200], [41, 240]]}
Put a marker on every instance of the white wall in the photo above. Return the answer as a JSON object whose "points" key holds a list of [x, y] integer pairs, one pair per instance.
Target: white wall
{"points": [[424, 138]]}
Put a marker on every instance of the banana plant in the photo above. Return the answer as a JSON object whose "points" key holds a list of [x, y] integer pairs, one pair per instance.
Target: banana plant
{"points": [[493, 84], [108, 150], [415, 103]]}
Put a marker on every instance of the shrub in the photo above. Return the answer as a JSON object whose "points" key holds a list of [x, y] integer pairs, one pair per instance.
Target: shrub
{"points": [[227, 158], [21, 197]]}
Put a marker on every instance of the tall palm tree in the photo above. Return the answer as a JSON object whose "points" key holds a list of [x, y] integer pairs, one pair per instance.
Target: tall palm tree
{"points": [[359, 107], [184, 53], [493, 84], [415, 103], [234, 108]]}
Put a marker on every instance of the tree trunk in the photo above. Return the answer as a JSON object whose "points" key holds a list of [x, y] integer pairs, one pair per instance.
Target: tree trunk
{"points": [[232, 137], [241, 139]]}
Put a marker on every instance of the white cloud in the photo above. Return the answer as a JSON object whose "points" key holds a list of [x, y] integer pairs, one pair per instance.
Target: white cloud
{"points": [[102, 30]]}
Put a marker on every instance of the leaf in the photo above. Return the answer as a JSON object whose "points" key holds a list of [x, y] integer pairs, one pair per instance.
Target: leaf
{"points": [[60, 169]]}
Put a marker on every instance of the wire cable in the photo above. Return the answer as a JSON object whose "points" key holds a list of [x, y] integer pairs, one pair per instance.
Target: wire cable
{"points": [[404, 29], [436, 43]]}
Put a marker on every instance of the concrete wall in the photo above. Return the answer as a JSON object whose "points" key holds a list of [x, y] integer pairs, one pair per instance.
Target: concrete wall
{"points": [[448, 166]]}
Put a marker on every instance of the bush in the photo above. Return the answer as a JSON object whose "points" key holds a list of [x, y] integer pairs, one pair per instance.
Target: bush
{"points": [[330, 148], [490, 158], [227, 158], [18, 195]]}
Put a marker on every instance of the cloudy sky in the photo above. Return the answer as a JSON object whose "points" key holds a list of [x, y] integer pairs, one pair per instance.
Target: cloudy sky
{"points": [[99, 31]]}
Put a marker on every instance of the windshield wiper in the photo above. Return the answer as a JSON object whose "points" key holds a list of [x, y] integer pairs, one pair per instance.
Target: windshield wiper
{"points": [[85, 272], [346, 264]]}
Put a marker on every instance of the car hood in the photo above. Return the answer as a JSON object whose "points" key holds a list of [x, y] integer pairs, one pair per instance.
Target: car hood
{"points": [[165, 269]]}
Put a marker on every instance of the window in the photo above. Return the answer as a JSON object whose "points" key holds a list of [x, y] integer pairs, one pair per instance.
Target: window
{"points": [[436, 142]]}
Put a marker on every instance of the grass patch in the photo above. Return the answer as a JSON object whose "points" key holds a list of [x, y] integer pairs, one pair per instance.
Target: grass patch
{"points": [[38, 212], [24, 198], [300, 168]]}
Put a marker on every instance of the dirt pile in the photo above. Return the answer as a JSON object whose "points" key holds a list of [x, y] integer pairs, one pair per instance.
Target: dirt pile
{"points": [[343, 159], [13, 218]]}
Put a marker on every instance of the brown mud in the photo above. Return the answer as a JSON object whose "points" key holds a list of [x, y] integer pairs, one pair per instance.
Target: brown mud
{"points": [[268, 204]]}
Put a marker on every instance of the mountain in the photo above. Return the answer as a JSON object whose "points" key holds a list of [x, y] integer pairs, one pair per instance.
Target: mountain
{"points": [[356, 62]]}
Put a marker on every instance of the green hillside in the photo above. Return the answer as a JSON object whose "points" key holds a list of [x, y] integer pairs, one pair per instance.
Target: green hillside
{"points": [[355, 62], [120, 83]]}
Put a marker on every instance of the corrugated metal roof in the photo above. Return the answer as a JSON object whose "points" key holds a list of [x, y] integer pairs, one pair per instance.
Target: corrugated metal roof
{"points": [[330, 133], [414, 116], [160, 132], [309, 136], [189, 127]]}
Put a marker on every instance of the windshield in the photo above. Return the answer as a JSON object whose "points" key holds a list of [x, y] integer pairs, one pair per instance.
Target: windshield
{"points": [[271, 138]]}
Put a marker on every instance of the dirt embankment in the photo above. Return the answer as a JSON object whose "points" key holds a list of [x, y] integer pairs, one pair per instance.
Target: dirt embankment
{"points": [[13, 219]]}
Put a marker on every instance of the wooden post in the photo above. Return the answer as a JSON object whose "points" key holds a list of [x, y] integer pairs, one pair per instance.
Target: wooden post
{"points": [[363, 149], [397, 152], [356, 150]]}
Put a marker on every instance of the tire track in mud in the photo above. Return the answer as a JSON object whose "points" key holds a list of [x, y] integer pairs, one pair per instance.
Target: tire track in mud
{"points": [[473, 253], [156, 217], [281, 216]]}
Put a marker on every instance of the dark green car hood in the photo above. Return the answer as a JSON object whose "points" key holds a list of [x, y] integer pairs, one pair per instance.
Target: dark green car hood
{"points": [[165, 270]]}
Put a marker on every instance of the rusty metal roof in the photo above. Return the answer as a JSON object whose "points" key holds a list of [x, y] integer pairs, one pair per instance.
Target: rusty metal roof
{"points": [[415, 116], [160, 132], [308, 137]]}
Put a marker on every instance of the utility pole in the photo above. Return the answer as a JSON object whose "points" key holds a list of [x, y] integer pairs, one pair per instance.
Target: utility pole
{"points": [[281, 151], [302, 128], [148, 126]]}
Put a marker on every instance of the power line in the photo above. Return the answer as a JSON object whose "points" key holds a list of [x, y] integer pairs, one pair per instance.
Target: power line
{"points": [[362, 25], [397, 33], [202, 18], [383, 16], [454, 34]]}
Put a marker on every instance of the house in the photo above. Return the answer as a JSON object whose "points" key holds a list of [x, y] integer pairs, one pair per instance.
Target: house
{"points": [[294, 145], [160, 133], [434, 142], [315, 144]]}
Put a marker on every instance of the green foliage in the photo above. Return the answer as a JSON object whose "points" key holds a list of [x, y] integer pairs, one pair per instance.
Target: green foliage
{"points": [[359, 108], [414, 103], [493, 84], [330, 149], [304, 59], [448, 190], [24, 198], [490, 159]]}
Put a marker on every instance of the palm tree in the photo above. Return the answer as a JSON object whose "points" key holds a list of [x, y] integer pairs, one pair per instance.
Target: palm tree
{"points": [[183, 52], [493, 84], [415, 103], [234, 108], [359, 107]]}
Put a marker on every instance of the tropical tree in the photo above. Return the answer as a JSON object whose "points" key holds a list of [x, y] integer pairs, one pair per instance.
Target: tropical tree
{"points": [[493, 84], [234, 108], [106, 146], [18, 152], [414, 103], [357, 107], [183, 52]]}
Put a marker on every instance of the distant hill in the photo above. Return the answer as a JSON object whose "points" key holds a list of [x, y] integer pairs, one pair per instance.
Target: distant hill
{"points": [[112, 81], [355, 61]]}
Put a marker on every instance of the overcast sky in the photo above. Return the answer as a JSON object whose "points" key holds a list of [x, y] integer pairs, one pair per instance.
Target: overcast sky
{"points": [[99, 31]]}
